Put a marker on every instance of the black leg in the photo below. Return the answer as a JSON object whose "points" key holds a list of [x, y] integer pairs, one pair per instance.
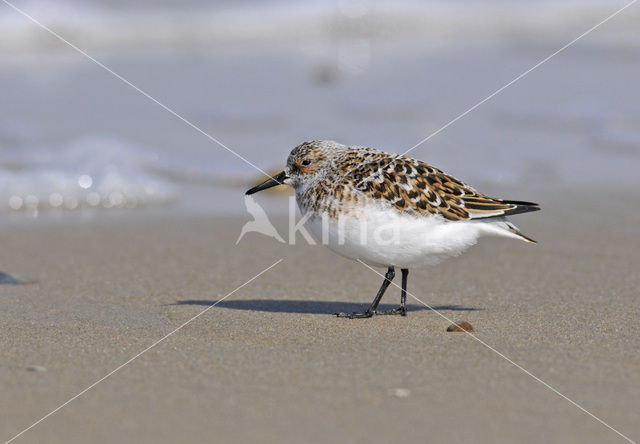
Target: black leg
{"points": [[388, 277], [403, 296], [402, 310]]}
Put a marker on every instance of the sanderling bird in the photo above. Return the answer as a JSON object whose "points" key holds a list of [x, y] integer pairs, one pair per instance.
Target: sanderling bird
{"points": [[390, 210]]}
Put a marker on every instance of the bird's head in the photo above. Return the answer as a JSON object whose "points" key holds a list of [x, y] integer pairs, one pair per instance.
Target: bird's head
{"points": [[306, 163]]}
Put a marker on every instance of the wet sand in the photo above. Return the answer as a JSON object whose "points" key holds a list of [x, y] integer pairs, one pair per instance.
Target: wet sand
{"points": [[270, 363]]}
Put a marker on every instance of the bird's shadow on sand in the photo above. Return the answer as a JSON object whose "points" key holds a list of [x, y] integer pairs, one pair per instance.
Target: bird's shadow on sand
{"points": [[312, 307]]}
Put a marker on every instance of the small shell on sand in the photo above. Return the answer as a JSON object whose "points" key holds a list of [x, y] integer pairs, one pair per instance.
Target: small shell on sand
{"points": [[7, 279], [400, 392], [36, 368], [460, 326]]}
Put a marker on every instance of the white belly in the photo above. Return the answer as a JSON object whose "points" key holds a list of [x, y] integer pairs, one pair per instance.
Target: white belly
{"points": [[380, 237]]}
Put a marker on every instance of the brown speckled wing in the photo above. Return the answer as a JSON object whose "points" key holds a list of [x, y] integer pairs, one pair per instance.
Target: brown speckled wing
{"points": [[414, 187]]}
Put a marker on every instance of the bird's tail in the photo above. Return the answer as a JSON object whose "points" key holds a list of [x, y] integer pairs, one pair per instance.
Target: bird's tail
{"points": [[512, 228], [503, 227], [520, 207]]}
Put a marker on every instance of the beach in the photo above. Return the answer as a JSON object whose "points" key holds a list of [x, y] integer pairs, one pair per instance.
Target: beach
{"points": [[271, 364], [123, 167]]}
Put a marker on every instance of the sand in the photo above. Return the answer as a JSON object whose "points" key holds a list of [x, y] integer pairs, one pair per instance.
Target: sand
{"points": [[270, 363]]}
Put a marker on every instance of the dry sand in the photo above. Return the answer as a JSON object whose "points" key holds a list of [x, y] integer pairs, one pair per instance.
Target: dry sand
{"points": [[270, 364]]}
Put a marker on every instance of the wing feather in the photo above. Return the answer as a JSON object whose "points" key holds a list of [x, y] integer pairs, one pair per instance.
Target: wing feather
{"points": [[415, 187]]}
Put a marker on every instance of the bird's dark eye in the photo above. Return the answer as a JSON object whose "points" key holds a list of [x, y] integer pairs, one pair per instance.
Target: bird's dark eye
{"points": [[306, 162]]}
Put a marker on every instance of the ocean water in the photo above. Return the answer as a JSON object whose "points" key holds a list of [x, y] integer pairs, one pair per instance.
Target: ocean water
{"points": [[261, 77]]}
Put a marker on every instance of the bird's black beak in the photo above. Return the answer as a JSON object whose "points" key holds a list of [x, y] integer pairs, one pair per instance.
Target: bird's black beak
{"points": [[270, 182]]}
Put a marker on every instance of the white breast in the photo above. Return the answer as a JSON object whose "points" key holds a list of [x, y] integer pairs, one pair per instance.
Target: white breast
{"points": [[383, 236]]}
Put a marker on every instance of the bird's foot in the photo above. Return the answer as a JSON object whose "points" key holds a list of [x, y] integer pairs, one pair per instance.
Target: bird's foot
{"points": [[402, 311], [366, 314]]}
